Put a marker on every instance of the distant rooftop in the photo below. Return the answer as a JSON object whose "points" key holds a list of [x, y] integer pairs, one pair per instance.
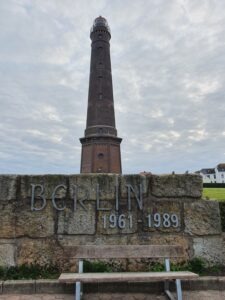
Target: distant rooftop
{"points": [[208, 171], [221, 167]]}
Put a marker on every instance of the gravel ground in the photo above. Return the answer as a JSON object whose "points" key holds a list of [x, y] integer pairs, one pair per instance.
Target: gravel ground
{"points": [[187, 295]]}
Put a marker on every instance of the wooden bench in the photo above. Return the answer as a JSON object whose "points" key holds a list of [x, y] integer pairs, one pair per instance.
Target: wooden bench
{"points": [[128, 251]]}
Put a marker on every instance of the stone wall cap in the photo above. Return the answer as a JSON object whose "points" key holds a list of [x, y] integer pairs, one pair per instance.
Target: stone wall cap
{"points": [[18, 281]]}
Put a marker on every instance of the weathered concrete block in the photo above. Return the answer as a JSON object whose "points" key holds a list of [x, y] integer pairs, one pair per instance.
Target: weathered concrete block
{"points": [[145, 288], [162, 216], [86, 186], [221, 283], [162, 239], [202, 218], [104, 288], [203, 283], [117, 222], [74, 240], [8, 187], [49, 183], [34, 223], [134, 181], [7, 253], [39, 251], [51, 286], [8, 220], [157, 239], [210, 248], [19, 287], [177, 186], [79, 221]]}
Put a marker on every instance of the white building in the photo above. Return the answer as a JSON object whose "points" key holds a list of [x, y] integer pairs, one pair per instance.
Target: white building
{"points": [[213, 175], [220, 173]]}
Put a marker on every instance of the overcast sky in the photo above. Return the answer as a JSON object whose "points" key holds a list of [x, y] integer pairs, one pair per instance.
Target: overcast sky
{"points": [[168, 67]]}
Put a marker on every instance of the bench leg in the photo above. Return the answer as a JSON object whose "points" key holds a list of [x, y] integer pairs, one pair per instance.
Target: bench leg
{"points": [[166, 284], [179, 290], [79, 287], [78, 290]]}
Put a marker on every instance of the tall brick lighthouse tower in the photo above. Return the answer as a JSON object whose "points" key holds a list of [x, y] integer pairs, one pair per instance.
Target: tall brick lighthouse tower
{"points": [[100, 145]]}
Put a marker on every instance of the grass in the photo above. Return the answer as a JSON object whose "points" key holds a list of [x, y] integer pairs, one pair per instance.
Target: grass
{"points": [[214, 193], [197, 265], [29, 272]]}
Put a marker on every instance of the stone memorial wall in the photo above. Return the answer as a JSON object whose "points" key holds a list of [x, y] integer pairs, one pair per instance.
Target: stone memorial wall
{"points": [[44, 216]]}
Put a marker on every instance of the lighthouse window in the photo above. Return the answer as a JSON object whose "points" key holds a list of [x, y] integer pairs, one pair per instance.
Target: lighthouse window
{"points": [[100, 96], [100, 155], [100, 36]]}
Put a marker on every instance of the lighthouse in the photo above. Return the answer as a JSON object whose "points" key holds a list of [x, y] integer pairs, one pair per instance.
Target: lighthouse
{"points": [[100, 144]]}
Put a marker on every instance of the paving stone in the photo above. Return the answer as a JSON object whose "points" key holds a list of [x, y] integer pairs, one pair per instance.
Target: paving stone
{"points": [[187, 295]]}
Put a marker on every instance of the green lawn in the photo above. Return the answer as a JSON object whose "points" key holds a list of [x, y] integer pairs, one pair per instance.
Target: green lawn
{"points": [[214, 193]]}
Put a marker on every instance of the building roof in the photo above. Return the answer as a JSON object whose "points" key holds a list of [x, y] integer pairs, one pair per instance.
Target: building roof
{"points": [[221, 167], [207, 171]]}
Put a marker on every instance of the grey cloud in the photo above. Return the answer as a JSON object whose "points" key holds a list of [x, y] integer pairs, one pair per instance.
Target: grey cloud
{"points": [[168, 61]]}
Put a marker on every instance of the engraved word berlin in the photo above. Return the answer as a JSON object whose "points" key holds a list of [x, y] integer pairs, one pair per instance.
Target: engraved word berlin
{"points": [[113, 220]]}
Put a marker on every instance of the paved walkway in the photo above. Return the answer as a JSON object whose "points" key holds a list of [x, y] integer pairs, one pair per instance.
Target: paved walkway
{"points": [[187, 295]]}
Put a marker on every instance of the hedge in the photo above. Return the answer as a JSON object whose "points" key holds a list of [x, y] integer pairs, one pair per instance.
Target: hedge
{"points": [[214, 185], [222, 214]]}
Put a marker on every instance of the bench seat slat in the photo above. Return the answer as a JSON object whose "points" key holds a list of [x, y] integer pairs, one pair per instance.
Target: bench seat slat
{"points": [[124, 251], [124, 276]]}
